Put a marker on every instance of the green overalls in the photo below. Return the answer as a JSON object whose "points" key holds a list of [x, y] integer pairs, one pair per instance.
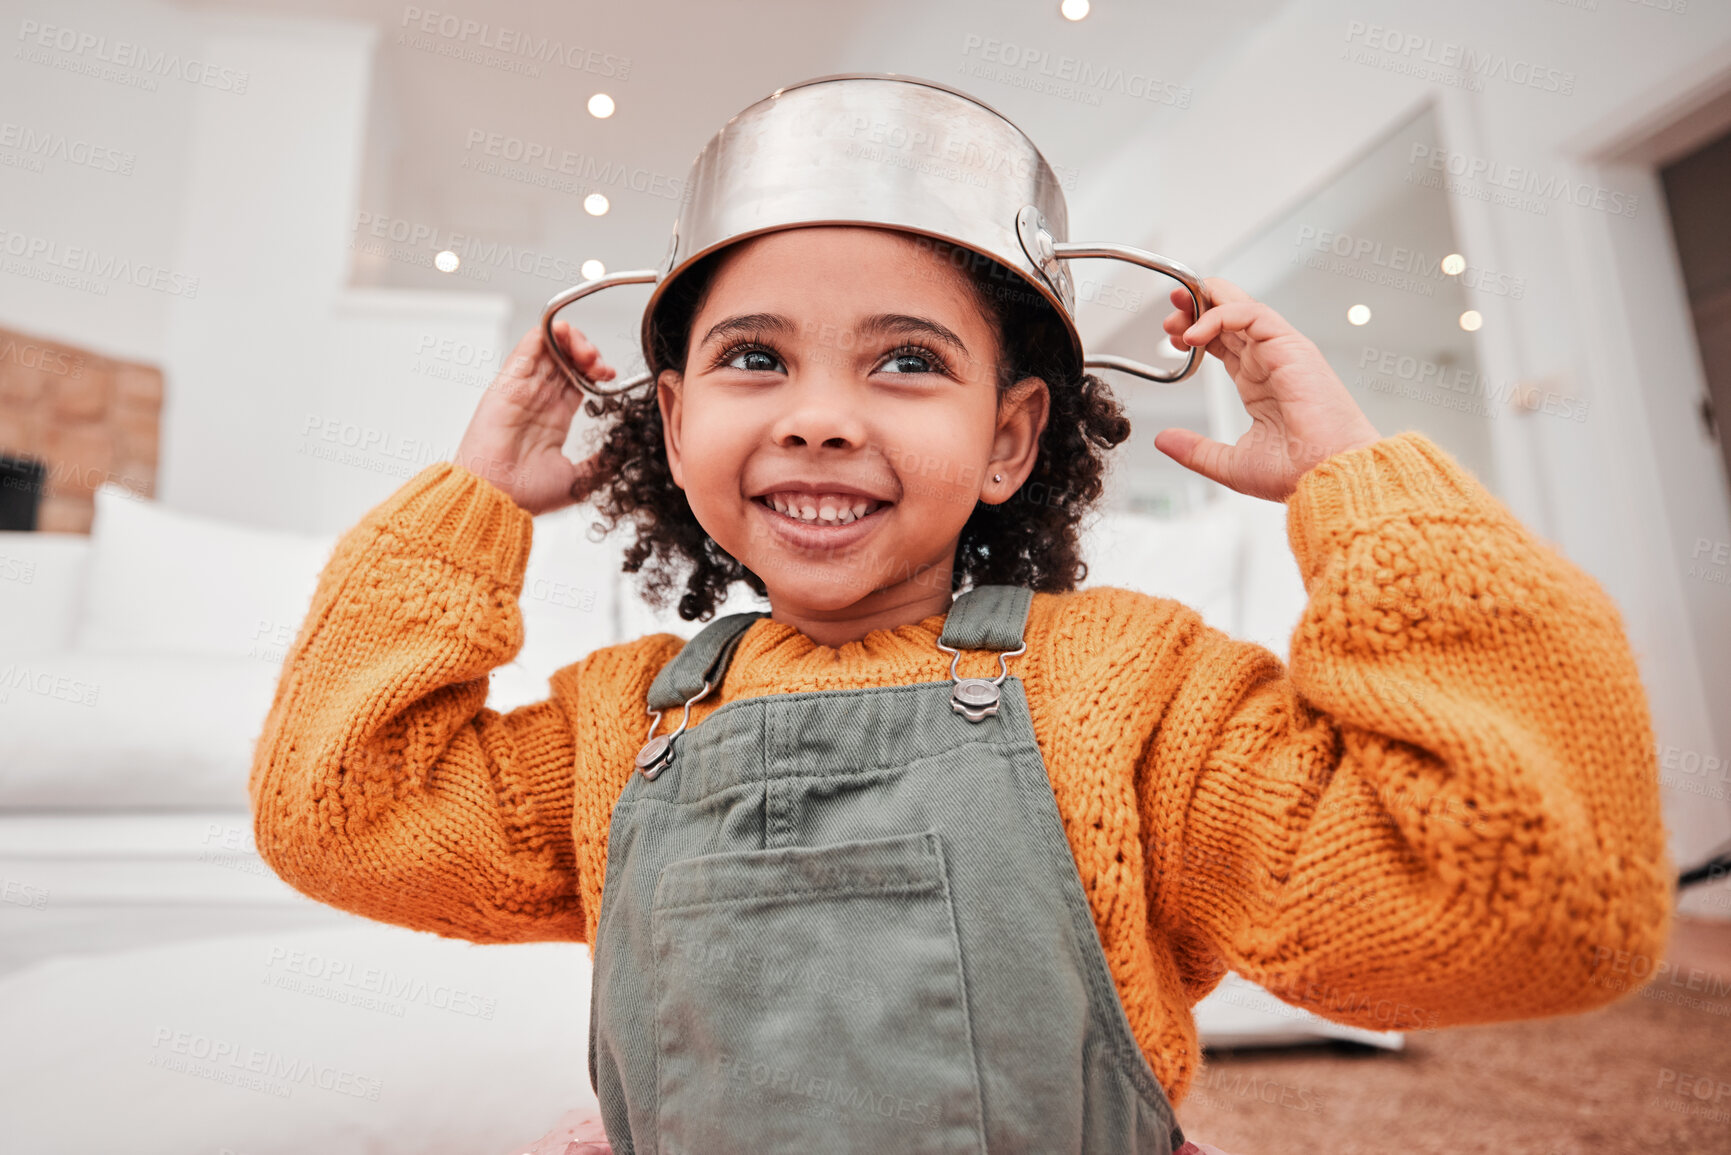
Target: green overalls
{"points": [[849, 921]]}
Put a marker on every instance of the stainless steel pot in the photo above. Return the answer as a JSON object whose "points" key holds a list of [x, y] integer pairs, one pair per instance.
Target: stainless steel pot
{"points": [[890, 151]]}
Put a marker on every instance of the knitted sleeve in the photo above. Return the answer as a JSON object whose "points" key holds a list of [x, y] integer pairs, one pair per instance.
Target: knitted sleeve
{"points": [[381, 783], [1446, 810]]}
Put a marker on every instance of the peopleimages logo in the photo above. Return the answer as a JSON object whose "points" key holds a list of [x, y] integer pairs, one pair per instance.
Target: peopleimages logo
{"points": [[125, 54], [512, 42], [421, 241], [1398, 266], [1474, 63], [1526, 188], [87, 269], [1408, 376], [44, 145], [593, 172], [1062, 75]]}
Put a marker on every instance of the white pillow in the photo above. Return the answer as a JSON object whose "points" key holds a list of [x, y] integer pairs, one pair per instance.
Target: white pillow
{"points": [[86, 731], [163, 581], [41, 589], [569, 604]]}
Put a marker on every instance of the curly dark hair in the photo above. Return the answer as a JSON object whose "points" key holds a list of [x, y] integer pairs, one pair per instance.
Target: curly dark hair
{"points": [[1030, 540]]}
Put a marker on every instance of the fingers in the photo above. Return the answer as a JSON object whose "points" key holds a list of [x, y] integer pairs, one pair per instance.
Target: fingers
{"points": [[521, 360], [1195, 452], [1219, 291], [1252, 318], [582, 352], [1222, 291]]}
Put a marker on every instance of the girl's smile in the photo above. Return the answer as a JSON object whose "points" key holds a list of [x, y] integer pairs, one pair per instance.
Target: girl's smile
{"points": [[810, 519]]}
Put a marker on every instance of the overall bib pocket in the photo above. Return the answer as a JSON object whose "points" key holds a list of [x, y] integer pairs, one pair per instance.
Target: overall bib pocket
{"points": [[812, 999]]}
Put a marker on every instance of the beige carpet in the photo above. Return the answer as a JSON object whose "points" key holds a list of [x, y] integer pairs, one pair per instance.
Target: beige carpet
{"points": [[1649, 1073]]}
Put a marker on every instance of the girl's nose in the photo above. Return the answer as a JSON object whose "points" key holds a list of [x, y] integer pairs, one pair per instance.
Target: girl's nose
{"points": [[820, 410]]}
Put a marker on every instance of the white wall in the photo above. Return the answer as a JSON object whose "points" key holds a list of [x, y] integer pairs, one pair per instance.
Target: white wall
{"points": [[1626, 493], [290, 400], [295, 401], [271, 180], [121, 204]]}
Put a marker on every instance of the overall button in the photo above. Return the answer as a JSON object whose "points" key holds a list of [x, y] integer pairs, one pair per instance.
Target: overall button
{"points": [[974, 698], [655, 755]]}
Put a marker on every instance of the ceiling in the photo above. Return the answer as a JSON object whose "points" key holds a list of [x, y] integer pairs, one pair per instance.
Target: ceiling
{"points": [[691, 66], [1374, 235]]}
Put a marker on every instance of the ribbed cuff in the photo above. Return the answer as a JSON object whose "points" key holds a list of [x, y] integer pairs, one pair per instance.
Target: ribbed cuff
{"points": [[447, 511], [1405, 475]]}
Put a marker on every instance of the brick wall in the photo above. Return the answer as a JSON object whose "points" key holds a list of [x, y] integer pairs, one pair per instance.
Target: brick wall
{"points": [[88, 418]]}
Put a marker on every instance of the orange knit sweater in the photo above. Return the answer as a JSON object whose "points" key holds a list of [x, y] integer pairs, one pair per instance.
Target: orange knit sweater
{"points": [[1444, 811]]}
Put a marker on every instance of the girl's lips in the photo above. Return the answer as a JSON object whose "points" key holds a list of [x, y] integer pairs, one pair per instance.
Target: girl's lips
{"points": [[805, 535]]}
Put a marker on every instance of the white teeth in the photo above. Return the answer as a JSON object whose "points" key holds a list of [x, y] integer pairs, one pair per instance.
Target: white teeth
{"points": [[829, 512]]}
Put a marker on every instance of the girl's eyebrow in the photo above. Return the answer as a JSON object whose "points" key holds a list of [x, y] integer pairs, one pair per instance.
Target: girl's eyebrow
{"points": [[878, 323], [749, 323], [903, 323]]}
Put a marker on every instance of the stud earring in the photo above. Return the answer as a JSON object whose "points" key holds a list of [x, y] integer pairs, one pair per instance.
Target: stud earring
{"points": [[997, 477]]}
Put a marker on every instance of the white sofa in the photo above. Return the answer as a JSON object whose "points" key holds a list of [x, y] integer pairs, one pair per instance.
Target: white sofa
{"points": [[140, 928]]}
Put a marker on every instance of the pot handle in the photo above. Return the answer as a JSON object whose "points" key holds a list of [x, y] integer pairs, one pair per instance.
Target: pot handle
{"points": [[1065, 251], [577, 293]]}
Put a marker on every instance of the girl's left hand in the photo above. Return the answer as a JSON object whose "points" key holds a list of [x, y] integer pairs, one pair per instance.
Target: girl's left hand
{"points": [[1300, 410]]}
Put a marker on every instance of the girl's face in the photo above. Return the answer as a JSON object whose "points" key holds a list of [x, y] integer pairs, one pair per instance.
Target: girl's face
{"points": [[838, 419]]}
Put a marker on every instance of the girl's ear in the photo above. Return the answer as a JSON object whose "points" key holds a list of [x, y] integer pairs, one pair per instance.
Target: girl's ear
{"points": [[668, 394], [1016, 445]]}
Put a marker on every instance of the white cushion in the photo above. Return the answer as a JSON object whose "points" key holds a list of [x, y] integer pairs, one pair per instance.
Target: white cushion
{"points": [[161, 703], [89, 730], [163, 581], [41, 589], [467, 1048], [570, 605]]}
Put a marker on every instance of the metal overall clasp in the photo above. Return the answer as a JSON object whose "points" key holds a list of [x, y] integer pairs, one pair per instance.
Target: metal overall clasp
{"points": [[976, 699], [657, 753]]}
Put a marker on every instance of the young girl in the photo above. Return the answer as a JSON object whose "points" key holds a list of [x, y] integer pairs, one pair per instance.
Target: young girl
{"points": [[928, 875]]}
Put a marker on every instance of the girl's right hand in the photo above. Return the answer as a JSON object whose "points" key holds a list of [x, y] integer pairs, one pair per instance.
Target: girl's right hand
{"points": [[516, 438]]}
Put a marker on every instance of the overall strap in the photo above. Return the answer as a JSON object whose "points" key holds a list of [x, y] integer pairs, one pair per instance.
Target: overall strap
{"points": [[704, 658], [989, 617]]}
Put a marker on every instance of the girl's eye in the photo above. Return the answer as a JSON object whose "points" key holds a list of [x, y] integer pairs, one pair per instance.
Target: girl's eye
{"points": [[913, 361], [753, 360]]}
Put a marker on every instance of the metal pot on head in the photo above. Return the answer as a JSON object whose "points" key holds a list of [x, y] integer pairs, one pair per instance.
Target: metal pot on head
{"points": [[884, 150]]}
